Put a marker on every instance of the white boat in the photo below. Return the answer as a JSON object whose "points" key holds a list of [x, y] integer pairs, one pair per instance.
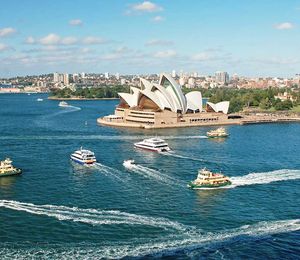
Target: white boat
{"points": [[153, 144], [220, 132], [84, 157], [63, 104], [40, 99], [128, 163]]}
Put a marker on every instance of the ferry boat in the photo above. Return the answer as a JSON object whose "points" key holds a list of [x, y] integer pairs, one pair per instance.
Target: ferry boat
{"points": [[63, 104], [207, 179], [83, 157], [6, 168], [128, 163], [153, 144], [220, 132]]}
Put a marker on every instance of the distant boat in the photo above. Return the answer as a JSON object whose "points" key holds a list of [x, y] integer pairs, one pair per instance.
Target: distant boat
{"points": [[83, 157], [153, 144], [40, 99], [63, 104], [6, 168]]}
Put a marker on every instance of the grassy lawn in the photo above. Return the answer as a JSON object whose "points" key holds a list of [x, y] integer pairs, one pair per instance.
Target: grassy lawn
{"points": [[296, 109]]}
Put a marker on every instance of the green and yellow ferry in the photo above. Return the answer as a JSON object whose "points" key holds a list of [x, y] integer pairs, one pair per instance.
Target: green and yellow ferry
{"points": [[6, 168], [207, 179]]}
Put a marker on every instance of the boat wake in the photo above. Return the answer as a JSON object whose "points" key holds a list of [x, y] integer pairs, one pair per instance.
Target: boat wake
{"points": [[92, 216], [173, 154], [153, 174], [264, 177], [110, 171], [185, 239]]}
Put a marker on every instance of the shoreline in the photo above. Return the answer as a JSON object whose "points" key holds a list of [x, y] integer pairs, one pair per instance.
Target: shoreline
{"points": [[77, 98]]}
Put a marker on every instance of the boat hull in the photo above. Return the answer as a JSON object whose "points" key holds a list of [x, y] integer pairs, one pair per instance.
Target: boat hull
{"points": [[207, 186], [81, 162], [11, 173], [217, 136], [151, 149]]}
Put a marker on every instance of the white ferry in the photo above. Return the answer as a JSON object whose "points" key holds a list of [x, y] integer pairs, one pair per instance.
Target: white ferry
{"points": [[84, 157], [153, 144], [63, 104]]}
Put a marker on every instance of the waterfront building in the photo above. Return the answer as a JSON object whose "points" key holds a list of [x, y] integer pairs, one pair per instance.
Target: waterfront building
{"points": [[163, 104]]}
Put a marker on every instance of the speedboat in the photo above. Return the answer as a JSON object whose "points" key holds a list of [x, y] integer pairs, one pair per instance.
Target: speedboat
{"points": [[208, 179], [63, 104], [128, 163], [153, 144], [84, 157], [40, 99], [6, 168], [220, 132]]}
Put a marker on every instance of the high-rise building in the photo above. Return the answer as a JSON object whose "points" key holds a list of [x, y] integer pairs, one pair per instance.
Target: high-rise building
{"points": [[55, 77], [222, 77], [117, 76], [106, 75], [82, 75], [66, 79], [174, 73]]}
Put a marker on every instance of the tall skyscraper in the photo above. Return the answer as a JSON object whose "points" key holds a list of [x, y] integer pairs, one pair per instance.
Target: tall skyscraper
{"points": [[106, 75], [117, 76], [66, 79], [222, 77], [55, 77]]}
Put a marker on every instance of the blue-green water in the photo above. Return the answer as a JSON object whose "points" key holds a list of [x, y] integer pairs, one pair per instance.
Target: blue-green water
{"points": [[55, 210]]}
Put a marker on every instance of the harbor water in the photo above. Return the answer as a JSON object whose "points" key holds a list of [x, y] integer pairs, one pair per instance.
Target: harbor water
{"points": [[56, 209]]}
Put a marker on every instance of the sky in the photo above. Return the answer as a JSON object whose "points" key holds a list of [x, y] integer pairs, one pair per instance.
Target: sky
{"points": [[254, 38]]}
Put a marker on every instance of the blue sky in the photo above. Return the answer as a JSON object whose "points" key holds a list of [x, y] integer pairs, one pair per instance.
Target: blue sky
{"points": [[249, 37]]}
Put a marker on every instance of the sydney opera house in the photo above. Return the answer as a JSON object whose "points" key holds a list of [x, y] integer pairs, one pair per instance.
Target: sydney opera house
{"points": [[163, 104]]}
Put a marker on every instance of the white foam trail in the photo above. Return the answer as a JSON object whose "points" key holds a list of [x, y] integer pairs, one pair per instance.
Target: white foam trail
{"points": [[92, 216], [109, 171], [153, 174], [182, 156], [264, 177], [155, 248]]}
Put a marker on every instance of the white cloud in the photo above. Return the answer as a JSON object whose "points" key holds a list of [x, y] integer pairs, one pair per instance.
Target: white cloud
{"points": [[202, 56], [75, 22], [30, 40], [158, 19], [145, 7], [284, 26], [50, 39], [69, 40], [93, 40], [5, 47], [165, 54], [7, 31], [157, 42]]}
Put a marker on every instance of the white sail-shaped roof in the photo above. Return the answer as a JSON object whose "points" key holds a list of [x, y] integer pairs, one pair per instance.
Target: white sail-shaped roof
{"points": [[220, 107], [167, 94]]}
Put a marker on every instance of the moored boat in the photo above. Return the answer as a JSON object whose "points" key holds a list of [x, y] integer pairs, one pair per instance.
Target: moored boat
{"points": [[220, 132], [7, 169], [208, 179], [153, 144], [83, 157]]}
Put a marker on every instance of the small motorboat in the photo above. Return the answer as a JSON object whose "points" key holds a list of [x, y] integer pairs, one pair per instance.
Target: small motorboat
{"points": [[40, 99], [208, 179], [63, 104], [128, 163]]}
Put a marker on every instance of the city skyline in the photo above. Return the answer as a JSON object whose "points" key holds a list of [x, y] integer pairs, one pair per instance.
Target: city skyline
{"points": [[251, 38]]}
